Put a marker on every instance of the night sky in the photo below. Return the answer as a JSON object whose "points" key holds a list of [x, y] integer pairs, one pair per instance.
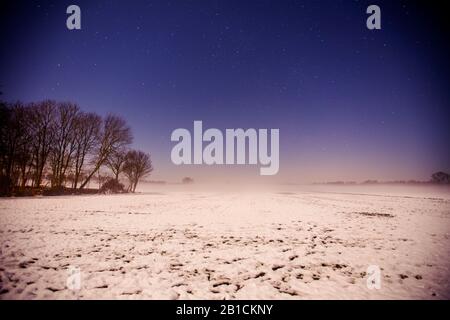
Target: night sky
{"points": [[350, 103]]}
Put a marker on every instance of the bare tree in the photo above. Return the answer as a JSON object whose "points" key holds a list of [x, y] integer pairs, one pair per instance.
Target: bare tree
{"points": [[137, 165], [42, 121], [101, 178], [15, 137], [24, 160], [114, 136], [440, 177], [63, 146], [5, 114], [115, 162], [55, 143], [86, 139]]}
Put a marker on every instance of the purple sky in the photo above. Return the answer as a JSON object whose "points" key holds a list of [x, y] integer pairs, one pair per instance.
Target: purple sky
{"points": [[350, 103]]}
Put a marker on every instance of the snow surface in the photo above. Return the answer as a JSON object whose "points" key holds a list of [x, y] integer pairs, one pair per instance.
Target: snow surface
{"points": [[197, 244]]}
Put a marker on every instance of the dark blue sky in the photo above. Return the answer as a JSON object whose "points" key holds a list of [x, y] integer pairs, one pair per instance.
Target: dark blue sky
{"points": [[351, 104]]}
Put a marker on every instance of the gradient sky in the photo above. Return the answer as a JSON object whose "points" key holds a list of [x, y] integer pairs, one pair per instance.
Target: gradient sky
{"points": [[350, 103]]}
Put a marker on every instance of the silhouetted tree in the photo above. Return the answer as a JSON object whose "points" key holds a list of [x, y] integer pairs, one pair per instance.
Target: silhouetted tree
{"points": [[14, 146], [440, 177], [137, 165], [101, 178], [86, 139], [64, 137], [114, 136], [5, 114], [55, 143], [115, 162], [42, 123]]}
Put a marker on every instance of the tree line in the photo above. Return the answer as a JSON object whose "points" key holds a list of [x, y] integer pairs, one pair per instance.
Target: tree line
{"points": [[57, 145]]}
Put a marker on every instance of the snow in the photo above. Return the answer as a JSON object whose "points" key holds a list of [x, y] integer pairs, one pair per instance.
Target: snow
{"points": [[183, 242]]}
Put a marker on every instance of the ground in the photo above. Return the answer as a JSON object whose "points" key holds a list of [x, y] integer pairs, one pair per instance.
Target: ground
{"points": [[265, 244]]}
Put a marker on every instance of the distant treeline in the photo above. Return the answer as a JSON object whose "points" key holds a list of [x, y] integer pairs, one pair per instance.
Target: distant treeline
{"points": [[436, 178], [55, 145]]}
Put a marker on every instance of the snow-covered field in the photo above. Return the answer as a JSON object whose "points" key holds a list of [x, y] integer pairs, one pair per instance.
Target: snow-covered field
{"points": [[272, 244]]}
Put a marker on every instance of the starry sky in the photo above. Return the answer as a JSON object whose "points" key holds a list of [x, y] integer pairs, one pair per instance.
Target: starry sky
{"points": [[350, 103]]}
